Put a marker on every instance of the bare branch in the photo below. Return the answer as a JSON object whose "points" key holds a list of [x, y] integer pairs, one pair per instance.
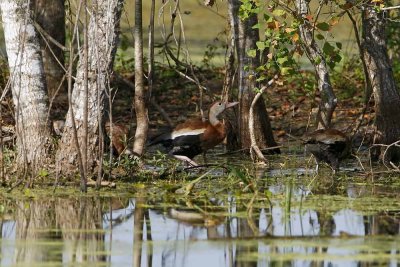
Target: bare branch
{"points": [[254, 149], [390, 7]]}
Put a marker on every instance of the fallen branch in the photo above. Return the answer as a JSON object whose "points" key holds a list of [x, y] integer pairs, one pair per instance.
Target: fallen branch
{"points": [[392, 166]]}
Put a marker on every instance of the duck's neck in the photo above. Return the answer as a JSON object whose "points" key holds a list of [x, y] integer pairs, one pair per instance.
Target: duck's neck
{"points": [[212, 118]]}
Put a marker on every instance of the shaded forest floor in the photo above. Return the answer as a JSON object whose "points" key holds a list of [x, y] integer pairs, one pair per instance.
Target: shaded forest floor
{"points": [[291, 103]]}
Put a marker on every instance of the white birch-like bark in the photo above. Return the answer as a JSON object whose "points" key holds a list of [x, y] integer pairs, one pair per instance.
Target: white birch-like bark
{"points": [[317, 58], [102, 40], [27, 84]]}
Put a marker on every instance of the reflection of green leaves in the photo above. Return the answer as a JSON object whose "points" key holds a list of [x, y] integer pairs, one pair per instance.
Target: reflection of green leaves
{"points": [[237, 173]]}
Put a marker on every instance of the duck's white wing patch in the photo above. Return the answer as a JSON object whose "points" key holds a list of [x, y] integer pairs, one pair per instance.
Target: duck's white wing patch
{"points": [[184, 132]]}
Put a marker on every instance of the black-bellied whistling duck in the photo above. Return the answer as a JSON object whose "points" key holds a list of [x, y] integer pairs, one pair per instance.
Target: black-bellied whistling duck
{"points": [[328, 145], [119, 137], [195, 136]]}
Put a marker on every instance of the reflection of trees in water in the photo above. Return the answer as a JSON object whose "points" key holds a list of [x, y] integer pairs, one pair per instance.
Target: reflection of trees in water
{"points": [[33, 221], [141, 219], [78, 221]]}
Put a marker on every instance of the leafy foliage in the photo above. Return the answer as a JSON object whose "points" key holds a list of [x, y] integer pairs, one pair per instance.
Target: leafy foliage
{"points": [[282, 45]]}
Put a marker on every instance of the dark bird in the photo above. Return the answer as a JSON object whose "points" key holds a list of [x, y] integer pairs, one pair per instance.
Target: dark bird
{"points": [[328, 145], [195, 136]]}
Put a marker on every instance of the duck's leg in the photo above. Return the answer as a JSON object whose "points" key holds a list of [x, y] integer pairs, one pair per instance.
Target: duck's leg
{"points": [[316, 165], [333, 162], [186, 159]]}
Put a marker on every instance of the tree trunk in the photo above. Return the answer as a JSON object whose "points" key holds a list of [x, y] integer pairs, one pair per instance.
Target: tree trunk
{"points": [[329, 101], [102, 39], [50, 15], [27, 84], [246, 38], [386, 95], [142, 121]]}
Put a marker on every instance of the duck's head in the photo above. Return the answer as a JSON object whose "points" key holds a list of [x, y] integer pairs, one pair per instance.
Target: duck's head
{"points": [[217, 108]]}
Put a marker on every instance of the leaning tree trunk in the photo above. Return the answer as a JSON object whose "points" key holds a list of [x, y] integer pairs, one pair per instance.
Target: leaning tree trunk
{"points": [[102, 40], [247, 37], [329, 101], [140, 103], [27, 84], [386, 95], [50, 16]]}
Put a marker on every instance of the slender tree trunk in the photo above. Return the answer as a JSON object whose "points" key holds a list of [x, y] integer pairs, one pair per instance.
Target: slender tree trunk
{"points": [[50, 15], [386, 95], [245, 39], [27, 83], [102, 39], [317, 58], [140, 103]]}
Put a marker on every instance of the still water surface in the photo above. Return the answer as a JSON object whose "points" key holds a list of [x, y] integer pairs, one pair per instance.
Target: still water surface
{"points": [[353, 228]]}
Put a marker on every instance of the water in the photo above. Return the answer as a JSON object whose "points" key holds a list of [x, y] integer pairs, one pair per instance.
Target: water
{"points": [[286, 223]]}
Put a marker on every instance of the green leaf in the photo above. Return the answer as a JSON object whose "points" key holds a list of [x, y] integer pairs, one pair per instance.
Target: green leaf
{"points": [[339, 45], [43, 173], [328, 48], [320, 36], [279, 12], [28, 193], [252, 53], [260, 45], [323, 26], [282, 60], [337, 58], [286, 70], [266, 17]]}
